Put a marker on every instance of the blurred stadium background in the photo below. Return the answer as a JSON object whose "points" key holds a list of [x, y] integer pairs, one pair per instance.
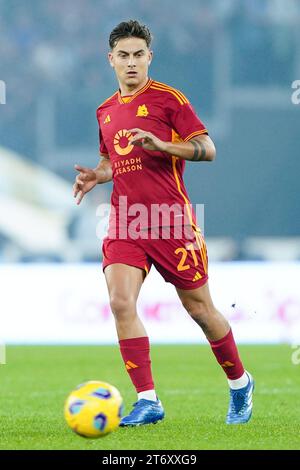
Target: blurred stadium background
{"points": [[236, 61]]}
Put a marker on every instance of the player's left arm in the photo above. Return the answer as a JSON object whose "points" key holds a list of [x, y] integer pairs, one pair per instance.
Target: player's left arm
{"points": [[199, 149]]}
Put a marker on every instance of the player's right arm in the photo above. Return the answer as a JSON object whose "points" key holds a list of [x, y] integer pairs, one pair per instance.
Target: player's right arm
{"points": [[87, 178]]}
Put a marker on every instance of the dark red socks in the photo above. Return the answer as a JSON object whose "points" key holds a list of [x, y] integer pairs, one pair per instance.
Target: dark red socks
{"points": [[136, 355], [227, 356]]}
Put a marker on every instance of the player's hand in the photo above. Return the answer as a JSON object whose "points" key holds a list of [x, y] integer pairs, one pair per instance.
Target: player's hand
{"points": [[146, 140], [84, 182]]}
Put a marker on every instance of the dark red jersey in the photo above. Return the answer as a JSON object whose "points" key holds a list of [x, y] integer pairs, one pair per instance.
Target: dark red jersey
{"points": [[150, 178]]}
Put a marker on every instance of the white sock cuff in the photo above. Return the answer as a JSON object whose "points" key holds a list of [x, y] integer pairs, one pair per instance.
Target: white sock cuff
{"points": [[147, 395], [239, 383]]}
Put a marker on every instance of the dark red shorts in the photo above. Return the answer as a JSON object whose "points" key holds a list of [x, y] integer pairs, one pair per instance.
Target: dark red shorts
{"points": [[181, 261]]}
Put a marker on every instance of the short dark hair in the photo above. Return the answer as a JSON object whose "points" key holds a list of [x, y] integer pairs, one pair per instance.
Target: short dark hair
{"points": [[130, 29]]}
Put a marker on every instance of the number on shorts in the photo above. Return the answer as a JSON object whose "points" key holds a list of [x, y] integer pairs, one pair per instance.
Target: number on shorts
{"points": [[181, 266], [184, 253]]}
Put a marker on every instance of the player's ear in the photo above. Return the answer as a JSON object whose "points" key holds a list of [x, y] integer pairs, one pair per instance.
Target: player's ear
{"points": [[110, 58], [150, 57]]}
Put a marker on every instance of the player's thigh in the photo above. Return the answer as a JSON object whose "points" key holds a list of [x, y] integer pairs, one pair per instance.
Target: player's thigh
{"points": [[125, 264], [123, 282]]}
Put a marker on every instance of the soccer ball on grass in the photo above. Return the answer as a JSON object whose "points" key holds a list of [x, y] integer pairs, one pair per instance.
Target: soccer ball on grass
{"points": [[94, 409]]}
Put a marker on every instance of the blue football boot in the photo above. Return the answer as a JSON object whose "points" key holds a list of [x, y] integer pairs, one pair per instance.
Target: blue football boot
{"points": [[144, 412], [240, 405]]}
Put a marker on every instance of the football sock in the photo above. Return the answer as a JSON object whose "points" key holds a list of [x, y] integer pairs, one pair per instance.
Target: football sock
{"points": [[136, 355], [147, 395], [227, 356], [239, 383]]}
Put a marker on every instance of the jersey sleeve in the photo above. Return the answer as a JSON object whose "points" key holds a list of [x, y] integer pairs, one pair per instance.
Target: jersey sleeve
{"points": [[185, 121], [102, 147]]}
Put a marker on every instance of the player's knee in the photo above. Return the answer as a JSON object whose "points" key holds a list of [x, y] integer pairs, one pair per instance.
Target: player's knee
{"points": [[200, 312], [195, 307], [122, 306]]}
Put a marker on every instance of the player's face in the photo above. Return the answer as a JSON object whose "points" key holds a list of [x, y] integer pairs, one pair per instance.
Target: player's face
{"points": [[131, 59]]}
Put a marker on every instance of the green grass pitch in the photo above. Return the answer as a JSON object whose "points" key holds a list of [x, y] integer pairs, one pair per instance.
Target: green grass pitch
{"points": [[36, 380]]}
